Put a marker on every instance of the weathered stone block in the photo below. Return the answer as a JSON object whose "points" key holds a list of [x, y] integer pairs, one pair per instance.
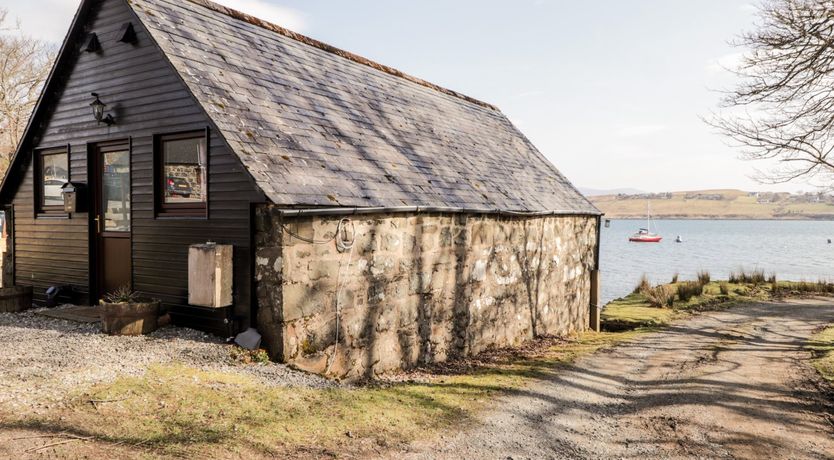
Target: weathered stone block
{"points": [[323, 270], [302, 301], [420, 282]]}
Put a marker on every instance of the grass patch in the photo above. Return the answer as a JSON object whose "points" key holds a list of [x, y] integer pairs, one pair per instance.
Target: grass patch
{"points": [[755, 277], [177, 410], [802, 288], [821, 345], [635, 311], [644, 309], [640, 309]]}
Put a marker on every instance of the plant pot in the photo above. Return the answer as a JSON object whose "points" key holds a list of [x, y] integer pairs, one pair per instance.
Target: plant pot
{"points": [[129, 318], [15, 299]]}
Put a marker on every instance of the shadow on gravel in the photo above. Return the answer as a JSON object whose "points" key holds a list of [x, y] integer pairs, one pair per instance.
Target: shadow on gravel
{"points": [[685, 366]]}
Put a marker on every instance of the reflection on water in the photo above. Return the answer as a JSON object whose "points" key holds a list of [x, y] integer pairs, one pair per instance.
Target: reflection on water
{"points": [[794, 250]]}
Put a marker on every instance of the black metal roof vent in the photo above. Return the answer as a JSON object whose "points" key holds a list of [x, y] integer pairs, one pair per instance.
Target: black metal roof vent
{"points": [[91, 44], [127, 34]]}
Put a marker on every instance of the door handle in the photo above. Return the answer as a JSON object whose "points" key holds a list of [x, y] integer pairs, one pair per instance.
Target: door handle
{"points": [[98, 224]]}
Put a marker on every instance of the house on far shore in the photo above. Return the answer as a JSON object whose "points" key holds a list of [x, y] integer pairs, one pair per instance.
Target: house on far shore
{"points": [[377, 221]]}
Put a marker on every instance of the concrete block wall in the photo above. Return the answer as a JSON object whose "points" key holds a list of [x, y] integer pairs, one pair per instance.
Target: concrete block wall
{"points": [[417, 288]]}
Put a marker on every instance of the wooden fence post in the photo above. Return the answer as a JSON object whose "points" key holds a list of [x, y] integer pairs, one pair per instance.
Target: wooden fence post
{"points": [[595, 306]]}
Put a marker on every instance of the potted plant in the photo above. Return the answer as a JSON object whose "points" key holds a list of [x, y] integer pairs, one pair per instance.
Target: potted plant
{"points": [[123, 312]]}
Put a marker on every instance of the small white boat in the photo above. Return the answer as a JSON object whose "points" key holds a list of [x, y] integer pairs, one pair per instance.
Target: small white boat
{"points": [[645, 235]]}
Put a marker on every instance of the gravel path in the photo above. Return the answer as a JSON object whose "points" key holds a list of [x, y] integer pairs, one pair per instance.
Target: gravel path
{"points": [[731, 384], [42, 358]]}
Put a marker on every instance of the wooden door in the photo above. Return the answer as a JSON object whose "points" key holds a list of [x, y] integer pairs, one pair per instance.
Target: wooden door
{"points": [[112, 218]]}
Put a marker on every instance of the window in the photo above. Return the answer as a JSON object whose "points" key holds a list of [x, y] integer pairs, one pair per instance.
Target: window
{"points": [[51, 173], [182, 174], [115, 188]]}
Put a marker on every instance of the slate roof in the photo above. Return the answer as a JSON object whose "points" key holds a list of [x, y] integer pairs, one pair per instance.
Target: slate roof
{"points": [[318, 126]]}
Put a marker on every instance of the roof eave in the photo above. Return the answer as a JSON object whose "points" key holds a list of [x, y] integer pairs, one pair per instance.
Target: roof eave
{"points": [[343, 211]]}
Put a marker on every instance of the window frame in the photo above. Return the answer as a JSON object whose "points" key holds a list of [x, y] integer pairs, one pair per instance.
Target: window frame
{"points": [[41, 209], [178, 210]]}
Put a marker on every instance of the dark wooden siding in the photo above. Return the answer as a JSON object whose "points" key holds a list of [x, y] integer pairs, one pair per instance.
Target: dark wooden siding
{"points": [[147, 98]]}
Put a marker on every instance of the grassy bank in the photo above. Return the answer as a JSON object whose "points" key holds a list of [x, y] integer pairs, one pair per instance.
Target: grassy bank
{"points": [[636, 310], [641, 309], [181, 411]]}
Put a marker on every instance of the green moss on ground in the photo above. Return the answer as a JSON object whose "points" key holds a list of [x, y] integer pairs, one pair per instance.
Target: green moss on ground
{"points": [[821, 345]]}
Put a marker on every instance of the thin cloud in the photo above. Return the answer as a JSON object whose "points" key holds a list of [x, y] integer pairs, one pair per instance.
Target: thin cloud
{"points": [[640, 130], [29, 15], [728, 62], [285, 17], [748, 8], [531, 93]]}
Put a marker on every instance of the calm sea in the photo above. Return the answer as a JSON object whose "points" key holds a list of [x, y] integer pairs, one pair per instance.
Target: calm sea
{"points": [[794, 250]]}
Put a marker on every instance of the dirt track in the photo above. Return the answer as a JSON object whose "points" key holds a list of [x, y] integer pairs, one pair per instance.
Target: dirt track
{"points": [[731, 384]]}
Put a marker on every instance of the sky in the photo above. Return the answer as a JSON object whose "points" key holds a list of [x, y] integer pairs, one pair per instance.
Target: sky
{"points": [[611, 91]]}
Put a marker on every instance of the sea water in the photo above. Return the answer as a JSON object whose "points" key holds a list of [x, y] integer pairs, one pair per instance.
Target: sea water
{"points": [[793, 250]]}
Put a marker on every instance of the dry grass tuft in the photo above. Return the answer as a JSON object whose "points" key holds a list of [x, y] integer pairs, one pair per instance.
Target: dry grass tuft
{"points": [[661, 296], [644, 286], [689, 290], [756, 277]]}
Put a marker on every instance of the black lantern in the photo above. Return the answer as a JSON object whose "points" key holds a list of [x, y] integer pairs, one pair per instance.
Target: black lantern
{"points": [[98, 111]]}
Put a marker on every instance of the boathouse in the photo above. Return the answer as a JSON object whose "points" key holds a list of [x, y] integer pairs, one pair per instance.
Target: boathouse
{"points": [[377, 221]]}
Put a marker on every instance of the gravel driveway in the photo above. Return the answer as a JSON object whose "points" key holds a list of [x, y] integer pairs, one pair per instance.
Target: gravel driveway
{"points": [[731, 384], [42, 358]]}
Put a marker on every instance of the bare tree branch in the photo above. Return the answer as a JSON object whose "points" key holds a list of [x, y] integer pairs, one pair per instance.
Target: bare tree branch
{"points": [[787, 91], [24, 65]]}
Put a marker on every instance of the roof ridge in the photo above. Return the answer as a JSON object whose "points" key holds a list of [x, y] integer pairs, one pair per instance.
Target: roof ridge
{"points": [[233, 13]]}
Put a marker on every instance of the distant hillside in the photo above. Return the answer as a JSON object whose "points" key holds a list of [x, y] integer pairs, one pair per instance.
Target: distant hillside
{"points": [[717, 204], [614, 191]]}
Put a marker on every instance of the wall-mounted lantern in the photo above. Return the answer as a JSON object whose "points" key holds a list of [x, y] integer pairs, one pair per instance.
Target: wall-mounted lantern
{"points": [[73, 194], [98, 111]]}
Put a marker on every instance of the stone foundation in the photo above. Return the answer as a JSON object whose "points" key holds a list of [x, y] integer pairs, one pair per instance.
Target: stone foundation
{"points": [[417, 288]]}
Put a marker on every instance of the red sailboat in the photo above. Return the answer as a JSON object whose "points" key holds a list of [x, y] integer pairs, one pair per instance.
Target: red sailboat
{"points": [[645, 235]]}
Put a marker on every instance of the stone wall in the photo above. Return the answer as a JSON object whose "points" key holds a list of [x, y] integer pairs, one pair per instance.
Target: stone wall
{"points": [[417, 288]]}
